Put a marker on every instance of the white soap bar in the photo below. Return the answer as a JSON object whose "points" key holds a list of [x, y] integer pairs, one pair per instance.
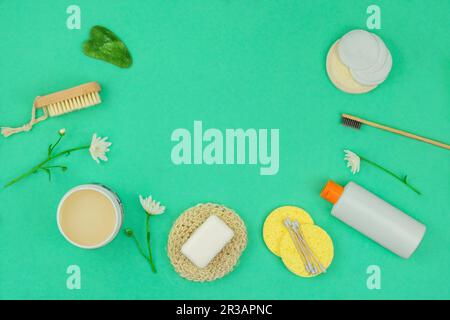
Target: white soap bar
{"points": [[207, 241]]}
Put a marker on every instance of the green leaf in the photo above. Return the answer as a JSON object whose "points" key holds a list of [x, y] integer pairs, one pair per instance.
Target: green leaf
{"points": [[104, 45], [63, 168], [48, 172], [50, 149]]}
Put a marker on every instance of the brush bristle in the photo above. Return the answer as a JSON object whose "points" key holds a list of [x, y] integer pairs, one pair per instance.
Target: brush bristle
{"points": [[351, 123], [69, 105]]}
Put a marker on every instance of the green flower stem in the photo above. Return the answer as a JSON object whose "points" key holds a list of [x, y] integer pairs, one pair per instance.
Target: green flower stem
{"points": [[42, 164], [53, 146], [402, 180], [139, 247], [150, 258]]}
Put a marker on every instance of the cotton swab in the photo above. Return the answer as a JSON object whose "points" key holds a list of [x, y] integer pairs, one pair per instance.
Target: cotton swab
{"points": [[308, 266], [301, 237]]}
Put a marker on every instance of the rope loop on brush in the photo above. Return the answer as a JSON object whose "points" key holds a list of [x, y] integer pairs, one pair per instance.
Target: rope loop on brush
{"points": [[7, 131]]}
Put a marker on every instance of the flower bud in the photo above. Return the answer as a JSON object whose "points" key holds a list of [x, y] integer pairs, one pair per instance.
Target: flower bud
{"points": [[128, 232]]}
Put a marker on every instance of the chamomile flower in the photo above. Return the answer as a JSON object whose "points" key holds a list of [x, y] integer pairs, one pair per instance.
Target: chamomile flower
{"points": [[151, 206], [99, 147], [353, 161]]}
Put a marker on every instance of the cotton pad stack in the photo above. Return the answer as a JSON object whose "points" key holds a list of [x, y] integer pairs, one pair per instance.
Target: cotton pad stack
{"points": [[359, 62], [279, 241]]}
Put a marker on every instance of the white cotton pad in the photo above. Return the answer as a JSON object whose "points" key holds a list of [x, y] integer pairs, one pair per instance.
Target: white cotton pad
{"points": [[341, 76], [382, 56], [374, 77], [207, 241], [359, 50]]}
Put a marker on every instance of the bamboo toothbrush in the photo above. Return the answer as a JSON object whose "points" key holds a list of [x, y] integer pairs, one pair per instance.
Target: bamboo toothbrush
{"points": [[355, 122], [62, 102]]}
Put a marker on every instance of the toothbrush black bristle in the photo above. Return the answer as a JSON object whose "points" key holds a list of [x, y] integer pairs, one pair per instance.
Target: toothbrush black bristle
{"points": [[351, 123]]}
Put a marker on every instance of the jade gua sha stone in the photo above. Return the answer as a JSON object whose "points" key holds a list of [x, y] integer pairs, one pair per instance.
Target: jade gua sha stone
{"points": [[104, 45]]}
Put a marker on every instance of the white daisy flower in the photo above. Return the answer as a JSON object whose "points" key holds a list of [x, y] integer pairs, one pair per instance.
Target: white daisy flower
{"points": [[151, 206], [99, 147], [62, 132], [353, 161]]}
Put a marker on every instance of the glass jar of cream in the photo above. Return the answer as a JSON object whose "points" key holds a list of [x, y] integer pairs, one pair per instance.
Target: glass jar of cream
{"points": [[89, 216]]}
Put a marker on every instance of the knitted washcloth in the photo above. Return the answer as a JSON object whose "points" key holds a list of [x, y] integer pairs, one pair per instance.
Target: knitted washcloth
{"points": [[225, 261]]}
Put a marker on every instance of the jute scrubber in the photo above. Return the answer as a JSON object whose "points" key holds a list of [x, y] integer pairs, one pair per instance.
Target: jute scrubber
{"points": [[225, 261]]}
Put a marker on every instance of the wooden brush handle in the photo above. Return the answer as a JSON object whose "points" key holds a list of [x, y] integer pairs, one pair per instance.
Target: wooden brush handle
{"points": [[397, 131], [67, 94]]}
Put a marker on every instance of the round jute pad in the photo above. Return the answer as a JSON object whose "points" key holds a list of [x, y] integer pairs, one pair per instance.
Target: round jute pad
{"points": [[341, 76], [224, 262]]}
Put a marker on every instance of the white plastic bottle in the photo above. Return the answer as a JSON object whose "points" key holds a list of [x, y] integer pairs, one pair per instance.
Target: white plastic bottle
{"points": [[375, 218]]}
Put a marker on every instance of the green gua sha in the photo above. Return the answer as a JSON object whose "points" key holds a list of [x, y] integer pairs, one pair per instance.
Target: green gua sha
{"points": [[104, 45]]}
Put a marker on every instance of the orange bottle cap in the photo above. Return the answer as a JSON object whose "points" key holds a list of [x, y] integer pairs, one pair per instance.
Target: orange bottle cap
{"points": [[332, 192]]}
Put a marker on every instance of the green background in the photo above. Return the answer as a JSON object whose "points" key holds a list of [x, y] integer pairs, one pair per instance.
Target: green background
{"points": [[231, 64]]}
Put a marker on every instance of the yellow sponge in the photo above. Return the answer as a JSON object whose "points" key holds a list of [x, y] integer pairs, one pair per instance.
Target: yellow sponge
{"points": [[274, 229], [318, 241]]}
